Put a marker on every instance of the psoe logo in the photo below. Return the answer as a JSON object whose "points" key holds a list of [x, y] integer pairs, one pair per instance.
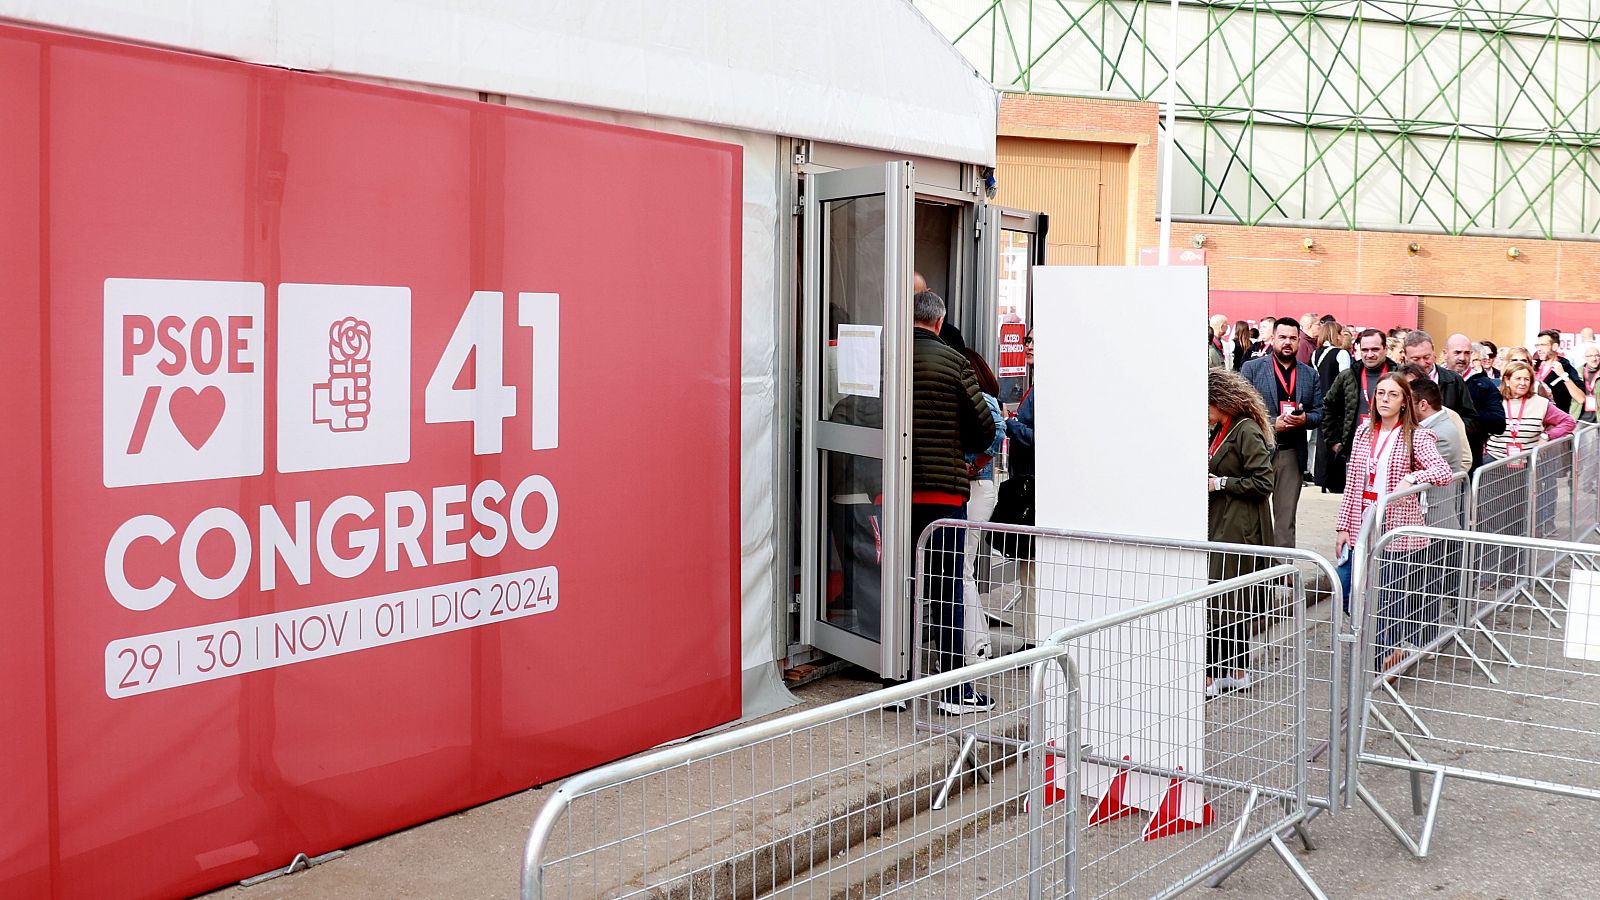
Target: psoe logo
{"points": [[182, 380], [183, 377]]}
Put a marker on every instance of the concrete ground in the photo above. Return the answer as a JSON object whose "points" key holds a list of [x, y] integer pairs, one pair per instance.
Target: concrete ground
{"points": [[1492, 842]]}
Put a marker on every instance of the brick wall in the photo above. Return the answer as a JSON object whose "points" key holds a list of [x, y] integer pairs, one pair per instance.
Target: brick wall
{"points": [[1246, 258], [1120, 126], [1376, 262]]}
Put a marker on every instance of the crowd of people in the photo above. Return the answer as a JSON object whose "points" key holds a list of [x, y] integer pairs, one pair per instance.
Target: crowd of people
{"points": [[1292, 403], [1364, 413]]}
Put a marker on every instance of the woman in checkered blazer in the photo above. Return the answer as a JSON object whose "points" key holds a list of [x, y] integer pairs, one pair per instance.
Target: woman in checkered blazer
{"points": [[1387, 455]]}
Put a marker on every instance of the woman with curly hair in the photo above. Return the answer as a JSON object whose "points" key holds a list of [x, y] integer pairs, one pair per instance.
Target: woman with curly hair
{"points": [[1240, 482]]}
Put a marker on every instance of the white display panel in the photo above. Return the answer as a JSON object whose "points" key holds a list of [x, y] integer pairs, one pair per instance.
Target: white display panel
{"points": [[1120, 435], [1120, 398]]}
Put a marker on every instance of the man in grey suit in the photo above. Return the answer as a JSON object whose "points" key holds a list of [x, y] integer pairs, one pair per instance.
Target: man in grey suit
{"points": [[1293, 395], [1445, 504], [1427, 400]]}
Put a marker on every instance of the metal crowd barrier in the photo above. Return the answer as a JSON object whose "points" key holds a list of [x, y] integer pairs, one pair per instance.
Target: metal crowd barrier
{"points": [[828, 801], [839, 800], [1540, 492], [1446, 506], [1452, 601], [1100, 770], [1511, 697], [1585, 482], [1276, 742]]}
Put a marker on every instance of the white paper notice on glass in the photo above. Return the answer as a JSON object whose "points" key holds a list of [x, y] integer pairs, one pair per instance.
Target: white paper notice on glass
{"points": [[861, 360], [1583, 616]]}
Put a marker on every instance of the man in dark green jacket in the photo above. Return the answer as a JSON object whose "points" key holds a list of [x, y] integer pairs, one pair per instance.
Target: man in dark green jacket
{"points": [[1347, 403], [949, 419]]}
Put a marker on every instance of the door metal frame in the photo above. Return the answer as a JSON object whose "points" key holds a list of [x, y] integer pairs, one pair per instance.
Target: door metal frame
{"points": [[995, 220], [894, 181]]}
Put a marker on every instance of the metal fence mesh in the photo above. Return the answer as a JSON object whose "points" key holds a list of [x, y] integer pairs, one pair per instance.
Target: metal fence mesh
{"points": [[1488, 673], [1202, 776], [1585, 483], [841, 803]]}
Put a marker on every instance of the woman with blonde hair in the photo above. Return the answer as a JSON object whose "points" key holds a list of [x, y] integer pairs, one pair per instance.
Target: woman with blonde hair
{"points": [[1531, 419], [1239, 481], [1525, 356]]}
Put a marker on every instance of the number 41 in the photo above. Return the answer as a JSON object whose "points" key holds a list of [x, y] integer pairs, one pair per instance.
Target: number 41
{"points": [[480, 334]]}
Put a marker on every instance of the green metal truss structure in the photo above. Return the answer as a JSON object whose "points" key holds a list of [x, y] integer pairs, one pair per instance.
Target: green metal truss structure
{"points": [[1450, 116]]}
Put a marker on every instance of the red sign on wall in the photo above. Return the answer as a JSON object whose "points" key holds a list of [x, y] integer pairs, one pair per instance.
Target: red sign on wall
{"points": [[315, 528], [1013, 352]]}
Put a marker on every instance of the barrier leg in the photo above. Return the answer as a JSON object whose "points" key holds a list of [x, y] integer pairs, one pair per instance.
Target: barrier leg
{"points": [[1299, 827], [1476, 660], [1499, 647], [1299, 871], [957, 766], [1216, 880], [1406, 708], [1534, 602], [1395, 735], [300, 861], [1418, 847]]}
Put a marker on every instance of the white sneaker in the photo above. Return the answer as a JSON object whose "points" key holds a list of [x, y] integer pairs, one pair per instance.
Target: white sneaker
{"points": [[1233, 682]]}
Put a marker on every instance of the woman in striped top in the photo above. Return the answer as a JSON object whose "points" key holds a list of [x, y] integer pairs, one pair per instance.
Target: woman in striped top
{"points": [[1530, 418]]}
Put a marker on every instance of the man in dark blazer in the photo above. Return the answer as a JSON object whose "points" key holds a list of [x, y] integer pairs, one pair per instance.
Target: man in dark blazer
{"points": [[1484, 392], [1293, 394], [1418, 351]]}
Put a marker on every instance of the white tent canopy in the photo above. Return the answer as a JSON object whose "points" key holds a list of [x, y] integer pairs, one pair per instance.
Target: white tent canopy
{"points": [[872, 73]]}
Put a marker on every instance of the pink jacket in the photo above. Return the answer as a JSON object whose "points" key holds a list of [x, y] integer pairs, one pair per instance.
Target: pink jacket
{"points": [[1557, 422], [1423, 462]]}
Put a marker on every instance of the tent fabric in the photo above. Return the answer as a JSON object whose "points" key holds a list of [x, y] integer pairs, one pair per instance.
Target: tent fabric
{"points": [[831, 70], [762, 303]]}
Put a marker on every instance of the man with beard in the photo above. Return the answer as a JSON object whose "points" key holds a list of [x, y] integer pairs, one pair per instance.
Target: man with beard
{"points": [[1554, 370], [1484, 392], [1293, 395], [1349, 400]]}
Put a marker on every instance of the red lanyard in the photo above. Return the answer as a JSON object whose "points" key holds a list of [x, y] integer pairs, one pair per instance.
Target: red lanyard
{"points": [[1375, 450], [1288, 386], [1520, 410], [1221, 434], [1588, 380], [1217, 343]]}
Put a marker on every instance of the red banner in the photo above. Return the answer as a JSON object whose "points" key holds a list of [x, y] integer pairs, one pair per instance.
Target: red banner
{"points": [[1013, 352], [1381, 311], [316, 527]]}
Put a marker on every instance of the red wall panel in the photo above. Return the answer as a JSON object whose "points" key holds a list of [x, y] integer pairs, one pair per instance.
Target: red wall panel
{"points": [[230, 291], [1383, 311]]}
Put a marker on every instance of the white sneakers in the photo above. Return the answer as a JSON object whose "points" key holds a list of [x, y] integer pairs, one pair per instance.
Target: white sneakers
{"points": [[1228, 683]]}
